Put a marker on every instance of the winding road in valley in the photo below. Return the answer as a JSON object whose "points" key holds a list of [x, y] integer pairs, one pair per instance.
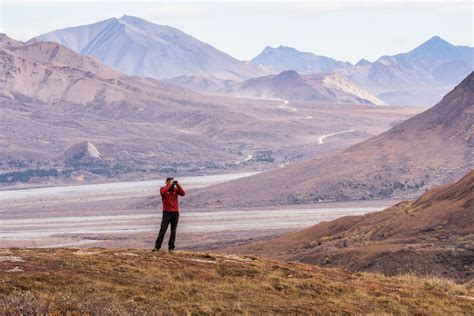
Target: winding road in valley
{"points": [[323, 137]]}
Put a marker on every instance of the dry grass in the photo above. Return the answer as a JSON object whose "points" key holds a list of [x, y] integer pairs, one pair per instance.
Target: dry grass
{"points": [[131, 282]]}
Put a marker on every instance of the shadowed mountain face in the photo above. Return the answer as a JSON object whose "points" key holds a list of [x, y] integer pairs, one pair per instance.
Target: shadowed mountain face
{"points": [[433, 235], [287, 58], [432, 148], [137, 47]]}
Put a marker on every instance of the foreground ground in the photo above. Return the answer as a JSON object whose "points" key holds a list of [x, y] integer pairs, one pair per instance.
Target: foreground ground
{"points": [[121, 282]]}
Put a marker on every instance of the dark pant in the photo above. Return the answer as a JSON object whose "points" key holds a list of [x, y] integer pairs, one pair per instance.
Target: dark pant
{"points": [[167, 219]]}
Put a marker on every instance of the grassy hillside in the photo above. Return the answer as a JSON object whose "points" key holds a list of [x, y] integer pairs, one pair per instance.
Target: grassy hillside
{"points": [[121, 282], [433, 235]]}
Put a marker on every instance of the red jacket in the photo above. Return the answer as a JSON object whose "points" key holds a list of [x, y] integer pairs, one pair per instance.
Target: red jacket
{"points": [[169, 197]]}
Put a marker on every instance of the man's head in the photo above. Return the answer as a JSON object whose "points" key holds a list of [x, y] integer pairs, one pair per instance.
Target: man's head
{"points": [[169, 179]]}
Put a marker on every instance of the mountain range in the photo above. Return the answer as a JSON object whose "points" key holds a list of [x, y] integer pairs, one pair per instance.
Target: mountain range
{"points": [[431, 236], [140, 48], [46, 73], [62, 99], [429, 149], [70, 106], [134, 46], [84, 121], [420, 76]]}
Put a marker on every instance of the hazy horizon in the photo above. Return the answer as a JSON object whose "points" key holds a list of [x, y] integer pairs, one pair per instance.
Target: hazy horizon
{"points": [[243, 29]]}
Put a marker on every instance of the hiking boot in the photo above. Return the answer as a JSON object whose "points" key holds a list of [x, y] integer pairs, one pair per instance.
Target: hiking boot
{"points": [[170, 250], [155, 249]]}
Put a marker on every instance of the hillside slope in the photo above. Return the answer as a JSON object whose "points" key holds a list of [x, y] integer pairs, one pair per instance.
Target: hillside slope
{"points": [[433, 235], [131, 282], [141, 48], [51, 73], [429, 149]]}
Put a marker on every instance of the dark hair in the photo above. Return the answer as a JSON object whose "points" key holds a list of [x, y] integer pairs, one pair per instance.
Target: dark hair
{"points": [[169, 179]]}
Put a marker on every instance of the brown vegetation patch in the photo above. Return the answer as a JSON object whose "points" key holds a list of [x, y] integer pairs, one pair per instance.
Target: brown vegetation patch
{"points": [[133, 282]]}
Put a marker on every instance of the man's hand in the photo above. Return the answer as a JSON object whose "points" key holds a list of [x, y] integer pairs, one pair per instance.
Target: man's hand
{"points": [[180, 189]]}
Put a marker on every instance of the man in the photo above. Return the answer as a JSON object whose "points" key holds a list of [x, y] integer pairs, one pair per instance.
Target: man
{"points": [[169, 196]]}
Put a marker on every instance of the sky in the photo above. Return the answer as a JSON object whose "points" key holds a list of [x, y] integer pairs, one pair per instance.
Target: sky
{"points": [[346, 30]]}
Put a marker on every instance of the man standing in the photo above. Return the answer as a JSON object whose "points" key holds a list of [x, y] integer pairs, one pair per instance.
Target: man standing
{"points": [[169, 195]]}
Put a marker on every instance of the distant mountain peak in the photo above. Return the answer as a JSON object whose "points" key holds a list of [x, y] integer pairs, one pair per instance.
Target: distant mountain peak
{"points": [[288, 58], [418, 77], [435, 47], [436, 42], [287, 74], [139, 22], [436, 39], [363, 62], [279, 48], [287, 48], [138, 47]]}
